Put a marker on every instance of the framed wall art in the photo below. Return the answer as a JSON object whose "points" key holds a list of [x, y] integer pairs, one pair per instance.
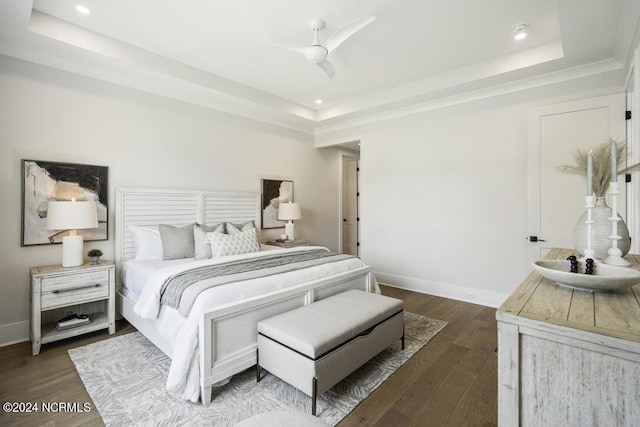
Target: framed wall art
{"points": [[43, 181], [274, 192]]}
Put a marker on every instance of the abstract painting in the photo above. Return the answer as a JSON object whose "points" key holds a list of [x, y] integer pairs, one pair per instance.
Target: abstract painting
{"points": [[274, 192], [43, 181]]}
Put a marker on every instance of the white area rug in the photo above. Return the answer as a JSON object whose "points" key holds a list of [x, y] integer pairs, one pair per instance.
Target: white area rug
{"points": [[125, 376]]}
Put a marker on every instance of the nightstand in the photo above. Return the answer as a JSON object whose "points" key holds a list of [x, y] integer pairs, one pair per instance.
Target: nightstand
{"points": [[289, 243], [56, 290]]}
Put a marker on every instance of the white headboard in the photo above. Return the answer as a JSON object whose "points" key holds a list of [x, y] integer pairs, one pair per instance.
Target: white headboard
{"points": [[151, 207]]}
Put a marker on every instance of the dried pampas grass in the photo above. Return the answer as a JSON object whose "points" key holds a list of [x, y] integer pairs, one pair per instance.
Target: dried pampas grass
{"points": [[601, 165]]}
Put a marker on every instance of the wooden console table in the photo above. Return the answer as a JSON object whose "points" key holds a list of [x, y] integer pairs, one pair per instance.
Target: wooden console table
{"points": [[569, 357]]}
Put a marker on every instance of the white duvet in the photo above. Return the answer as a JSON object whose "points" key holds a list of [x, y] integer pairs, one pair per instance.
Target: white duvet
{"points": [[182, 332]]}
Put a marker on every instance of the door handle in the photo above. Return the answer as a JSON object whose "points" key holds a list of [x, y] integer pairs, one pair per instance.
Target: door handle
{"points": [[535, 239], [344, 219]]}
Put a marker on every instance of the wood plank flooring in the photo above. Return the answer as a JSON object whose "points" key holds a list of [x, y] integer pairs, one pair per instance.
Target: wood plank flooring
{"points": [[452, 381]]}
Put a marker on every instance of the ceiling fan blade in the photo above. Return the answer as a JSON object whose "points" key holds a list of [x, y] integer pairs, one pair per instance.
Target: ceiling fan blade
{"points": [[347, 31], [302, 50], [327, 67]]}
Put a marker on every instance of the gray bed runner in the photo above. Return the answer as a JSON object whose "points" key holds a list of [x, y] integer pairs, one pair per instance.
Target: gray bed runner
{"points": [[180, 291]]}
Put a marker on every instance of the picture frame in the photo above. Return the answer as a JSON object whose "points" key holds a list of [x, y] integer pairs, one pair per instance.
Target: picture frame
{"points": [[274, 192], [46, 180]]}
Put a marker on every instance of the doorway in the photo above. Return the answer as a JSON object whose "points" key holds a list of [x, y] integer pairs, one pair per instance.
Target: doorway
{"points": [[350, 205]]}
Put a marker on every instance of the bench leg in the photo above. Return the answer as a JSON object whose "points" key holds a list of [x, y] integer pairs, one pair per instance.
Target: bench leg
{"points": [[257, 366], [402, 336], [314, 396]]}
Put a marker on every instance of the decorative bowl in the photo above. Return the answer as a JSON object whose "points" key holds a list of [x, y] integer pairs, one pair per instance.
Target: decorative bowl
{"points": [[605, 277]]}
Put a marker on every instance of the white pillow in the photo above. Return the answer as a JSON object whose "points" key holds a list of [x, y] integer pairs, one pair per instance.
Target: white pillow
{"points": [[233, 244], [237, 228], [147, 242]]}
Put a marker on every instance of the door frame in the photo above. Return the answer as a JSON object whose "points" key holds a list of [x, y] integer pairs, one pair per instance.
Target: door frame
{"points": [[344, 154]]}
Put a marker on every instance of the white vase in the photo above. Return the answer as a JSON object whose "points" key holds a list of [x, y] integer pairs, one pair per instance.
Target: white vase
{"points": [[600, 231]]}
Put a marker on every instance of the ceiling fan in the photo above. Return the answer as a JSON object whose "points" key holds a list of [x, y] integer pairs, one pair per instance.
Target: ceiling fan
{"points": [[318, 52]]}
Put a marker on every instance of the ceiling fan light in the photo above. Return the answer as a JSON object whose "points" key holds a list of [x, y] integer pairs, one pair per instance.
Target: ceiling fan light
{"points": [[316, 53], [519, 31]]}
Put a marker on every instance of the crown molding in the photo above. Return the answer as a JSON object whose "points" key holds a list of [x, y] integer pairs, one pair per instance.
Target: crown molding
{"points": [[476, 95]]}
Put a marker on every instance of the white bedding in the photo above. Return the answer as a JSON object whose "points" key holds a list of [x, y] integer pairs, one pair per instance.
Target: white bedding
{"points": [[135, 274], [182, 332]]}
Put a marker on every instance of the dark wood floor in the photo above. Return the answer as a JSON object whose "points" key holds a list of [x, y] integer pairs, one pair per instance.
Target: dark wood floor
{"points": [[452, 381]]}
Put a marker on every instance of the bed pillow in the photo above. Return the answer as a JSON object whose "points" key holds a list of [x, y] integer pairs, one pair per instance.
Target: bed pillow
{"points": [[233, 244], [202, 245], [147, 242], [237, 228], [177, 242]]}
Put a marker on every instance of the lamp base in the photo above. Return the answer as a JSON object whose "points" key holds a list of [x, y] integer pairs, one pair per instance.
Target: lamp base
{"points": [[289, 230], [72, 251]]}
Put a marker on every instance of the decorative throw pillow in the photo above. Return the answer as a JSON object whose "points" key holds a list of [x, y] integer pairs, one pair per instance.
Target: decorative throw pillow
{"points": [[177, 242], [233, 244], [147, 242], [202, 245], [237, 228]]}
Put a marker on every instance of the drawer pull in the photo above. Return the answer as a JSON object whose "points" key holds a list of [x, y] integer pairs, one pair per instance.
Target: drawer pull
{"points": [[60, 291]]}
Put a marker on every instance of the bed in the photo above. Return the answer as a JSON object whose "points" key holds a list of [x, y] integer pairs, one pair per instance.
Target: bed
{"points": [[217, 338]]}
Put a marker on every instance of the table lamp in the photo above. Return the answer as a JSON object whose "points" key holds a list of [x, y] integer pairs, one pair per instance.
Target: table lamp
{"points": [[71, 215], [289, 212]]}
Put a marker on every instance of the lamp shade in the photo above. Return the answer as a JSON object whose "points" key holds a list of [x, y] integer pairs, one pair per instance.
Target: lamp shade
{"points": [[289, 211], [71, 215]]}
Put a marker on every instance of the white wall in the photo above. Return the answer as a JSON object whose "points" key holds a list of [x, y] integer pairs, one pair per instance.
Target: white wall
{"points": [[146, 141], [443, 193]]}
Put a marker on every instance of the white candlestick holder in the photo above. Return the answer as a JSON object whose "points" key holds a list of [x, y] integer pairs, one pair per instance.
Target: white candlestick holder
{"points": [[589, 252], [615, 254]]}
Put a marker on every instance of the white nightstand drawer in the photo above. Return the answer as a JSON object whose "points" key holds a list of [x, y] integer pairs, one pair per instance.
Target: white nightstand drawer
{"points": [[72, 295], [70, 281]]}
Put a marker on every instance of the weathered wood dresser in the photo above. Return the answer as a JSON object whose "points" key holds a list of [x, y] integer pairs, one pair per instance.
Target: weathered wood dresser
{"points": [[569, 357]]}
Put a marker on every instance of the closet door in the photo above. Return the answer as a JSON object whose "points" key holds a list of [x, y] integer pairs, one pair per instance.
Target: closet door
{"points": [[555, 199]]}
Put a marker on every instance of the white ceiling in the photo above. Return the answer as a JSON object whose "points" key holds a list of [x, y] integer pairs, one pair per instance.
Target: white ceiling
{"points": [[416, 51]]}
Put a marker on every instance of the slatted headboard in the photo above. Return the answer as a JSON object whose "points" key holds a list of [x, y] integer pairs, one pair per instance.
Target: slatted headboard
{"points": [[151, 207]]}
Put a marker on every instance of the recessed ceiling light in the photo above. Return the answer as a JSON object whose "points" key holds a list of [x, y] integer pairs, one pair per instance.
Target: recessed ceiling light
{"points": [[318, 101], [519, 31], [83, 9]]}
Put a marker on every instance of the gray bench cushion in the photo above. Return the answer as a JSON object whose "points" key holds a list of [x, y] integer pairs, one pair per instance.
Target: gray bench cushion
{"points": [[317, 328]]}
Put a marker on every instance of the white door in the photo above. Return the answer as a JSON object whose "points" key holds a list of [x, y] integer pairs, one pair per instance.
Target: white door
{"points": [[556, 200], [350, 206], [633, 147], [633, 202]]}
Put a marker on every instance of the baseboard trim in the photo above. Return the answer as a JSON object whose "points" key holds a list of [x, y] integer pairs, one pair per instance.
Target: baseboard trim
{"points": [[14, 333], [445, 290]]}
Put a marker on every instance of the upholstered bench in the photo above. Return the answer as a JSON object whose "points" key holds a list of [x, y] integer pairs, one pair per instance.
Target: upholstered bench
{"points": [[315, 346]]}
